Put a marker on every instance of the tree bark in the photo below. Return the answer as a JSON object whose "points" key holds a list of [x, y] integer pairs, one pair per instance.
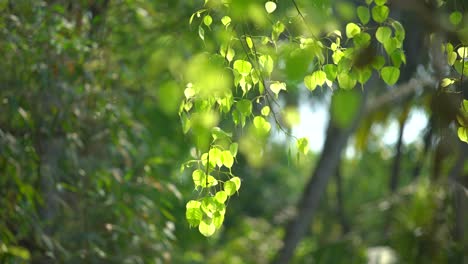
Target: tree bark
{"points": [[335, 142], [340, 202], [395, 175]]}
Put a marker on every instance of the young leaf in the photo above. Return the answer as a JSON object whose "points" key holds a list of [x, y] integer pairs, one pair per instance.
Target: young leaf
{"points": [[207, 20], [331, 71], [265, 110], [363, 14], [390, 74], [228, 159], [226, 21], [455, 18], [193, 215], [383, 34], [233, 149], [249, 42], [237, 182], [380, 13], [270, 7], [399, 30], [221, 196], [316, 78], [242, 67], [276, 87], [463, 134], [303, 145], [380, 2], [217, 156], [352, 30], [463, 52], [198, 177], [201, 32], [446, 82], [451, 57], [262, 126], [207, 227], [266, 62], [346, 81], [245, 107]]}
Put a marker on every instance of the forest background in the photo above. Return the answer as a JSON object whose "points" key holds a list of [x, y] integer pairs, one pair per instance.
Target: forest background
{"points": [[107, 107]]}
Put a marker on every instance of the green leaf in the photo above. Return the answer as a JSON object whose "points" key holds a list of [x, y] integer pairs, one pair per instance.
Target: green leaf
{"points": [[221, 196], [383, 34], [463, 134], [451, 57], [446, 82], [303, 145], [230, 188], [398, 57], [217, 156], [363, 14], [233, 149], [276, 87], [378, 62], [193, 213], [201, 32], [227, 52], [362, 39], [399, 30], [463, 52], [207, 20], [249, 42], [380, 2], [237, 182], [218, 219], [198, 177], [270, 7], [390, 45], [390, 74], [265, 110], [242, 67], [337, 55], [380, 13], [262, 126], [346, 81], [363, 75], [266, 62], [245, 107], [455, 18], [331, 71], [207, 227], [226, 20], [316, 78], [352, 30], [228, 159]]}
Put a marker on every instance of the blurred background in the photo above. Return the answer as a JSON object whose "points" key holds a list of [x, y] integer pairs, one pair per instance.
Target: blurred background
{"points": [[91, 145]]}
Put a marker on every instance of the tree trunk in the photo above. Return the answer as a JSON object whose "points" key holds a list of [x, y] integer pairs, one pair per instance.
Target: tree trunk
{"points": [[335, 142], [340, 202]]}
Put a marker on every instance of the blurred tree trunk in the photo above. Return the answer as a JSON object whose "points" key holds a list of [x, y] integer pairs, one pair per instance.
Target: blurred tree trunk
{"points": [[340, 202], [335, 142]]}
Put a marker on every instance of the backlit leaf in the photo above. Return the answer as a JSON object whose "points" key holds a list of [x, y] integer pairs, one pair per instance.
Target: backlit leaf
{"points": [[390, 74]]}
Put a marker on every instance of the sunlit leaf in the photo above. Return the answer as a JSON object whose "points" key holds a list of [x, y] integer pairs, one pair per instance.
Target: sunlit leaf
{"points": [[380, 13], [270, 7], [352, 30], [383, 34], [276, 87], [207, 227], [207, 20], [390, 74]]}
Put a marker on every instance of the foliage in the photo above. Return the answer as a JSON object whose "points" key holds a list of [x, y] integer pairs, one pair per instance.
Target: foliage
{"points": [[126, 124]]}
